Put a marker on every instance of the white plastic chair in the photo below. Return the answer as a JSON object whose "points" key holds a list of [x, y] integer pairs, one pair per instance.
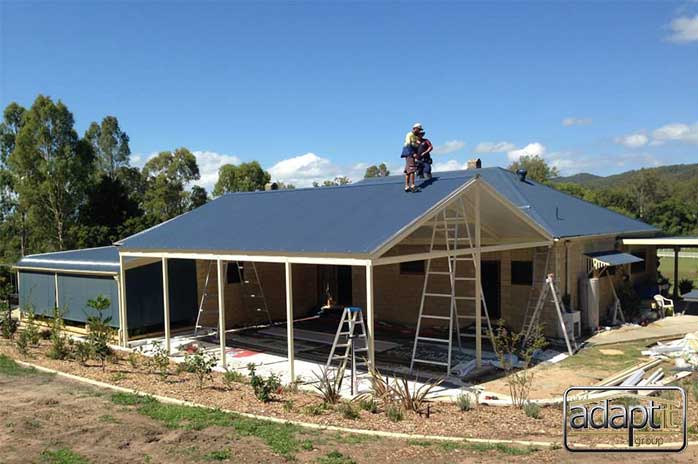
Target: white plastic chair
{"points": [[664, 304]]}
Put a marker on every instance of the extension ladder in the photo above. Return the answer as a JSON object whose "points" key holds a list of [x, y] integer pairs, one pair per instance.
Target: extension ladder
{"points": [[351, 341], [450, 226], [541, 262], [552, 288]]}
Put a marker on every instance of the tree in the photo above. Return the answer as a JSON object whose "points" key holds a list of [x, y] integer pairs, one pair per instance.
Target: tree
{"points": [[245, 177], [52, 169], [645, 190], [340, 180], [13, 231], [167, 175], [377, 171], [197, 197], [537, 168], [110, 145]]}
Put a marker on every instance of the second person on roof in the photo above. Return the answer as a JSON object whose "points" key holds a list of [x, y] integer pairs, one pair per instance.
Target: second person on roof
{"points": [[409, 152]]}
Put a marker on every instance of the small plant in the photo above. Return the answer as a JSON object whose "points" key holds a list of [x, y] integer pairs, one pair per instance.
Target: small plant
{"points": [[412, 399], [464, 402], [394, 412], [118, 377], [200, 364], [288, 406], [60, 348], [31, 329], [328, 385], [159, 362], [315, 409], [232, 376], [512, 346], [22, 343], [348, 410], [369, 404], [8, 326], [134, 360], [532, 410], [100, 333], [264, 388], [82, 351], [222, 455]]}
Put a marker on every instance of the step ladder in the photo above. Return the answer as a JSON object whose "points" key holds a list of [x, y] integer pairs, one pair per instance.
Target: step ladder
{"points": [[204, 297], [348, 342], [541, 264], [450, 227], [252, 290], [551, 290]]}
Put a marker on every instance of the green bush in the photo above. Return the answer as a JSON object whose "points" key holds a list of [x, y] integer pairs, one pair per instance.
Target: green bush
{"points": [[8, 326], [464, 402], [100, 333], [369, 404], [264, 387], [82, 351], [394, 412], [315, 409], [200, 364], [532, 410], [685, 286], [232, 376], [159, 362], [60, 348], [348, 411]]}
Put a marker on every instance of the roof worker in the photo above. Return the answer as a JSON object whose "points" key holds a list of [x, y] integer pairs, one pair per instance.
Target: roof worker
{"points": [[409, 152], [424, 156]]}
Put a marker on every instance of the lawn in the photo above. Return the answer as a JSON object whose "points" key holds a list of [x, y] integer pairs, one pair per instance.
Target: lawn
{"points": [[688, 269]]}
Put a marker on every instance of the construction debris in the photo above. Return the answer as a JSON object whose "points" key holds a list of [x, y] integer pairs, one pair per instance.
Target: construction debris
{"points": [[683, 350]]}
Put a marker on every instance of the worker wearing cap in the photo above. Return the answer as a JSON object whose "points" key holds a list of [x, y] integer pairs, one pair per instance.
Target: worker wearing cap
{"points": [[409, 152]]}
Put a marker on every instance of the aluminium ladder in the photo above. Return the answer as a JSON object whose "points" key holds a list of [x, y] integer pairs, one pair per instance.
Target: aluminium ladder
{"points": [[352, 342], [447, 225], [541, 262], [252, 291], [204, 297], [552, 288]]}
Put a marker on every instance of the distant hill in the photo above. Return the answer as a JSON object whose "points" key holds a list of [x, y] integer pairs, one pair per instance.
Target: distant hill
{"points": [[673, 173]]}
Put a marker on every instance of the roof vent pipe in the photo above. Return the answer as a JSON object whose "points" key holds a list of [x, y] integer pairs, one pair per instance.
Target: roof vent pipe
{"points": [[474, 163], [522, 174]]}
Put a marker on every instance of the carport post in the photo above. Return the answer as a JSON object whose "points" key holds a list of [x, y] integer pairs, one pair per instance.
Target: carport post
{"points": [[478, 282], [676, 273], [289, 321], [166, 303], [123, 322], [221, 309], [370, 315]]}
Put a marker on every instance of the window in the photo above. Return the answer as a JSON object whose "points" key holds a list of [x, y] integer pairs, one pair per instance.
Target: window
{"points": [[522, 272], [639, 268], [412, 267], [233, 274]]}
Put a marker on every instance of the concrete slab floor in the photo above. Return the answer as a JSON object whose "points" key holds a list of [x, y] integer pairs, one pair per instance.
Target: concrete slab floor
{"points": [[668, 327]]}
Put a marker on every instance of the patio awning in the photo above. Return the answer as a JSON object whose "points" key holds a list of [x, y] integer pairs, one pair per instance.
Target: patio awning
{"points": [[601, 259]]}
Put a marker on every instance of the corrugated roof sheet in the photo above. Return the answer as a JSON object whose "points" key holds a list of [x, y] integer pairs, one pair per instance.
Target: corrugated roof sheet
{"points": [[358, 218], [102, 259], [613, 258]]}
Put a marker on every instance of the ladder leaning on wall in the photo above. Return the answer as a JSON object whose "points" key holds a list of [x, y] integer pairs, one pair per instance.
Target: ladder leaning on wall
{"points": [[450, 226], [204, 297]]}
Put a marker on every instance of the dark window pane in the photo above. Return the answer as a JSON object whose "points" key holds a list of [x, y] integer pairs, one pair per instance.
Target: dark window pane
{"points": [[412, 267], [233, 274], [522, 272]]}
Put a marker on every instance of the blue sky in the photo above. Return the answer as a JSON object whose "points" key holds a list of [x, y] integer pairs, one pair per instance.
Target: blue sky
{"points": [[313, 90]]}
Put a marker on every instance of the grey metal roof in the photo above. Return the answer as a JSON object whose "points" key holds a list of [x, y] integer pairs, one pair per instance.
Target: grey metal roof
{"points": [[358, 218], [614, 257], [102, 259]]}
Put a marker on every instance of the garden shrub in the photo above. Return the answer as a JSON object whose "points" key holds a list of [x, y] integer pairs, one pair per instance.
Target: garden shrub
{"points": [[200, 364], [100, 333], [264, 387]]}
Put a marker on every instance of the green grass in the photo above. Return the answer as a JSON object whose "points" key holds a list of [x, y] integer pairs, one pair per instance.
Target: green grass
{"points": [[281, 438], [488, 447], [335, 457], [221, 455], [108, 418], [63, 456], [10, 368], [688, 269], [423, 443], [592, 357]]}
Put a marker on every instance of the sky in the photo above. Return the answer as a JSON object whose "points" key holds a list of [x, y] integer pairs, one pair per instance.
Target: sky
{"points": [[314, 90]]}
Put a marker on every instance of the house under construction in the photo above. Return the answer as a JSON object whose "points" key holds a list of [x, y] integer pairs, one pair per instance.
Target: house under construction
{"points": [[272, 270]]}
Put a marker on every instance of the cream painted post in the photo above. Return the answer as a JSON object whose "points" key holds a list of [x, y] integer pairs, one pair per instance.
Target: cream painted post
{"points": [[166, 302], [55, 289], [289, 321], [478, 286], [221, 309], [370, 314], [123, 321]]}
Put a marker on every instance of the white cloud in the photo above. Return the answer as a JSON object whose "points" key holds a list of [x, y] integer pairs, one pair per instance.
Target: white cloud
{"points": [[678, 132], [494, 147], [303, 170], [568, 122], [684, 29], [450, 165], [572, 162], [532, 149], [448, 147], [209, 162], [633, 140]]}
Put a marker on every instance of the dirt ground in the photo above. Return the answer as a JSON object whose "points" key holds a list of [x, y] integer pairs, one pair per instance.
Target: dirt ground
{"points": [[46, 419]]}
